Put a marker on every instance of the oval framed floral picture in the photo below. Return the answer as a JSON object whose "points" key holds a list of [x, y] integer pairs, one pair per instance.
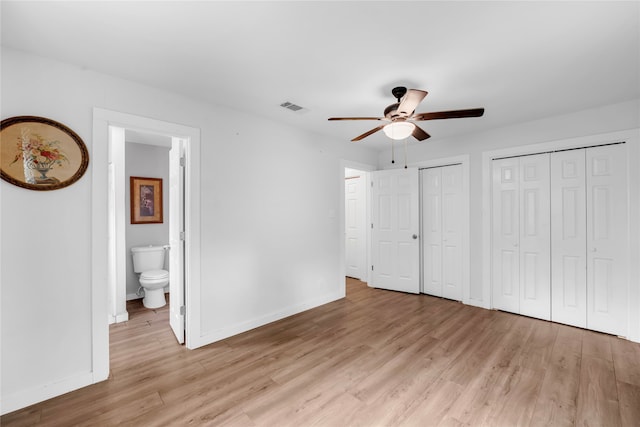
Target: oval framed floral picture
{"points": [[40, 154]]}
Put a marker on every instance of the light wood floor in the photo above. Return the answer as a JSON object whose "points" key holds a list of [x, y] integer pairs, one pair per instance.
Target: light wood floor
{"points": [[375, 358]]}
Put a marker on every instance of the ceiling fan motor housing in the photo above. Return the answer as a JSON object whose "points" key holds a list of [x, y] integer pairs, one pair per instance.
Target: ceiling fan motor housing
{"points": [[398, 92], [391, 111]]}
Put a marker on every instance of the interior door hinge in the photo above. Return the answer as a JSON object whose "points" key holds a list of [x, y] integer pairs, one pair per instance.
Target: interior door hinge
{"points": [[182, 235], [372, 225], [183, 310], [372, 268], [183, 161]]}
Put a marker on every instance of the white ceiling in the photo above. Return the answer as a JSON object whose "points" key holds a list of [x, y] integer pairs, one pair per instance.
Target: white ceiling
{"points": [[520, 60]]}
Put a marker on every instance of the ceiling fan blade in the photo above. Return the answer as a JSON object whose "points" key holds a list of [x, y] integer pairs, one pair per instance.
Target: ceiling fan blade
{"points": [[357, 118], [454, 114], [420, 134], [366, 134], [410, 101]]}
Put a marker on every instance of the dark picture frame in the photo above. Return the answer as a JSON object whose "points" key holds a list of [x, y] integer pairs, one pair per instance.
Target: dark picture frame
{"points": [[146, 200], [40, 154]]}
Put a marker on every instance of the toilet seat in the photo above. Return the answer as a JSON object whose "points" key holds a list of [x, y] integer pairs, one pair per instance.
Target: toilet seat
{"points": [[155, 275], [154, 282]]}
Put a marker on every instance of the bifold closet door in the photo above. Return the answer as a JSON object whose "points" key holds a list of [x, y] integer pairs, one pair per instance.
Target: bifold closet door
{"points": [[521, 236], [442, 231], [590, 238], [569, 238], [607, 239]]}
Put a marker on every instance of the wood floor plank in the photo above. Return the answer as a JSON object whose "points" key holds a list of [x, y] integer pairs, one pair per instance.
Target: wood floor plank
{"points": [[596, 344], [537, 350], [517, 393], [597, 400], [23, 418], [479, 396], [390, 373], [556, 403], [626, 361], [373, 358], [629, 398], [429, 407]]}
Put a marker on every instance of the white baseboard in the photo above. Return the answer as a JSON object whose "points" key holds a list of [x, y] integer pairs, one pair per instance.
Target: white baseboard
{"points": [[120, 317], [220, 334], [24, 398]]}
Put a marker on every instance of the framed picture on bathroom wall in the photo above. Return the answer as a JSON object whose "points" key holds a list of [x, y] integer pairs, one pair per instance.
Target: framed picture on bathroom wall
{"points": [[146, 200], [40, 154]]}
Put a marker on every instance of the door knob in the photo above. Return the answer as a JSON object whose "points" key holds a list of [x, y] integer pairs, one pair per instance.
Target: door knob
{"points": [[415, 236]]}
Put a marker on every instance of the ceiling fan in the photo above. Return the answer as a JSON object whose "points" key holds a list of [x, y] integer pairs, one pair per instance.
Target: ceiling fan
{"points": [[401, 116]]}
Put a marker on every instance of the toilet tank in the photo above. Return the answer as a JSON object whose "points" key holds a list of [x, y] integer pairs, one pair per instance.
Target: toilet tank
{"points": [[147, 258]]}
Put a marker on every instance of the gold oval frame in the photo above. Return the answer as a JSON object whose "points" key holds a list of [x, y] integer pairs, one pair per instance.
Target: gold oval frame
{"points": [[77, 159]]}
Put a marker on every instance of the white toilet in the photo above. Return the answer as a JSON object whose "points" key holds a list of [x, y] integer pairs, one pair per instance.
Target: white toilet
{"points": [[149, 262]]}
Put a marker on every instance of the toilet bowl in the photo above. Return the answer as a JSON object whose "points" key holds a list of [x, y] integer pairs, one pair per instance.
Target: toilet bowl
{"points": [[148, 261], [153, 283]]}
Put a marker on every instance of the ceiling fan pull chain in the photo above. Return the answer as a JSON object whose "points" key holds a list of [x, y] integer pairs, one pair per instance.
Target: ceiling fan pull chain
{"points": [[393, 157], [405, 153]]}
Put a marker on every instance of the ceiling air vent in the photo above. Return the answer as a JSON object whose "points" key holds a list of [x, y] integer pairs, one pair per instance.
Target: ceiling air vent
{"points": [[291, 106]]}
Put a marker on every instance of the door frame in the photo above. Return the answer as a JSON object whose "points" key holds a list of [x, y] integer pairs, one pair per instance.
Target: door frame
{"points": [[103, 120], [632, 139], [364, 167], [362, 178]]}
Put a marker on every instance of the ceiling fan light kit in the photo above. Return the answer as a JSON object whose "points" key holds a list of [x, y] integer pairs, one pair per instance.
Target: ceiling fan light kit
{"points": [[399, 130]]}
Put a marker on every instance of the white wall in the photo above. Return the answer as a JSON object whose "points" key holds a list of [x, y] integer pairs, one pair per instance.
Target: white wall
{"points": [[149, 161], [270, 238]]}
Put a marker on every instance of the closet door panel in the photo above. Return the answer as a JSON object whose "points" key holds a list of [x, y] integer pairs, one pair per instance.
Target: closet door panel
{"points": [[568, 238], [607, 239], [505, 235], [452, 232], [535, 250], [432, 231]]}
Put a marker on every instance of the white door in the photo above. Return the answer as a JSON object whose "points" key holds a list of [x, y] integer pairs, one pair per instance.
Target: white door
{"points": [[535, 237], [394, 237], [355, 223], [176, 241], [442, 231], [521, 236], [568, 238], [607, 239], [505, 235]]}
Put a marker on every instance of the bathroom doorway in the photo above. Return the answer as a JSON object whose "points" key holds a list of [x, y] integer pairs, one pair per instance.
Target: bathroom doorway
{"points": [[355, 215], [355, 205], [158, 156], [179, 143]]}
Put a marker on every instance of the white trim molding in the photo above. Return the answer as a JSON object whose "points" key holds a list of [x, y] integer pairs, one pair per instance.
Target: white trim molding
{"points": [[102, 121]]}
